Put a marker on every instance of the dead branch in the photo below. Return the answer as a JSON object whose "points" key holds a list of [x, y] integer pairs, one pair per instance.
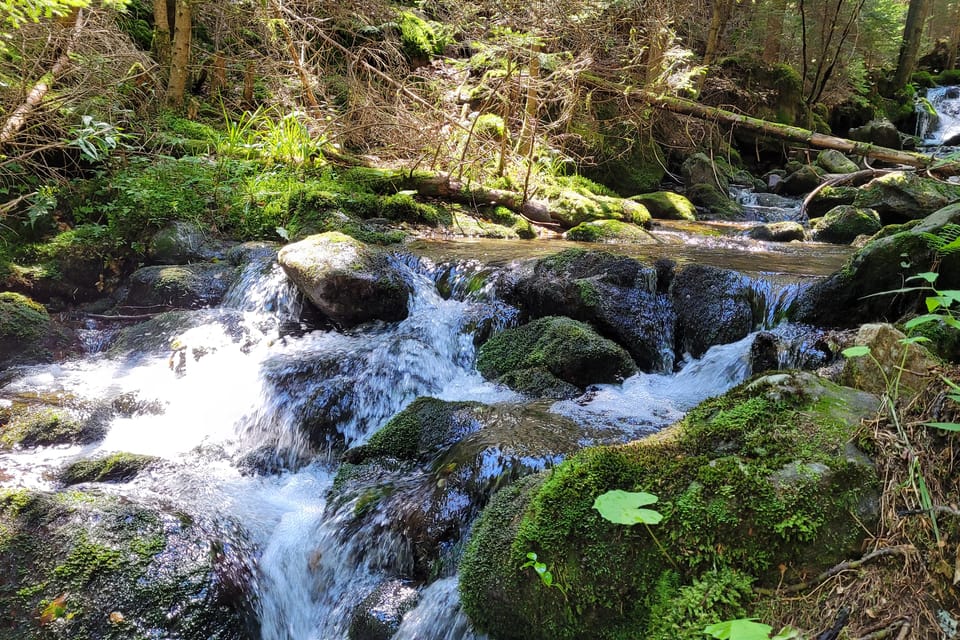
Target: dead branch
{"points": [[902, 549]]}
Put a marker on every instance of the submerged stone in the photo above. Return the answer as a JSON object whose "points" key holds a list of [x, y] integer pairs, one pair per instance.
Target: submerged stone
{"points": [[753, 480]]}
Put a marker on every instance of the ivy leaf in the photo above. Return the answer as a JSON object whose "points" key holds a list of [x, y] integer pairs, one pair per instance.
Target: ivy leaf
{"points": [[856, 352], [740, 629], [624, 507]]}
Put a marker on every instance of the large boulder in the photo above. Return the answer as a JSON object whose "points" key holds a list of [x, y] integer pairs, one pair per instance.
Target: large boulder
{"points": [[348, 281], [189, 286], [86, 565], [841, 225], [786, 231], [571, 207], [609, 231], [903, 195], [715, 203], [27, 333], [708, 184], [425, 475], [537, 358], [830, 197], [620, 297], [762, 480], [182, 242], [832, 161], [882, 133], [804, 180], [850, 297], [893, 367], [712, 305], [667, 205]]}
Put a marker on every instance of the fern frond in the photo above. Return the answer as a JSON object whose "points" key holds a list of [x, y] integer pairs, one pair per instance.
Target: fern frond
{"points": [[945, 241]]}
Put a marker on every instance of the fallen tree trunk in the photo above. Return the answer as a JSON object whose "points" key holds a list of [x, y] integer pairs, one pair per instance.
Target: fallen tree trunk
{"points": [[777, 130], [443, 185]]}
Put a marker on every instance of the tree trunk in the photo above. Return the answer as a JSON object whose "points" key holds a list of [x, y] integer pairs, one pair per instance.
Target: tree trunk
{"points": [[776, 130], [718, 22], [161, 34], [774, 36], [180, 60], [21, 114], [910, 47], [531, 109], [295, 58], [954, 43]]}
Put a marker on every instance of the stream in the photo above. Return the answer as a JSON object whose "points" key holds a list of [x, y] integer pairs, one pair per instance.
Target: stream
{"points": [[229, 429]]}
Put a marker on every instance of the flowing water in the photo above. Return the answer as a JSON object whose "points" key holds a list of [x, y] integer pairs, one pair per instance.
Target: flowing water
{"points": [[944, 128], [227, 418]]}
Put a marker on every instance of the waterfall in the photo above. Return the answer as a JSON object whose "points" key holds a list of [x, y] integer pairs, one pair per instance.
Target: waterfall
{"points": [[943, 128]]}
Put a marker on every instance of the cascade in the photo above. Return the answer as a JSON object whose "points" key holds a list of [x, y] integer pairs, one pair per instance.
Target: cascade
{"points": [[944, 127]]}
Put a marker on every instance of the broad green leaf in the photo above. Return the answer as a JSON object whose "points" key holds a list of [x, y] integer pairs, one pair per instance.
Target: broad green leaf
{"points": [[624, 507], [913, 323], [946, 426], [934, 303], [914, 339], [950, 321], [929, 276], [741, 629], [856, 352]]}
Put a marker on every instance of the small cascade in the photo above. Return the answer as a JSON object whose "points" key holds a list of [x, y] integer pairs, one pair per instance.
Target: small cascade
{"points": [[767, 207], [437, 616], [772, 299], [943, 127]]}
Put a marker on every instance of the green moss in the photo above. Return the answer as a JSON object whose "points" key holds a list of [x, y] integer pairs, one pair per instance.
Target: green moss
{"points": [[491, 126], [681, 612], [419, 38], [117, 467], [740, 481], [668, 205], [948, 77], [607, 231], [716, 203], [45, 426], [21, 319]]}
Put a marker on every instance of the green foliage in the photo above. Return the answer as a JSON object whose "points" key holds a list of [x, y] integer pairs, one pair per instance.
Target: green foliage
{"points": [[420, 38], [681, 612], [746, 629], [949, 77], [625, 507], [16, 13]]}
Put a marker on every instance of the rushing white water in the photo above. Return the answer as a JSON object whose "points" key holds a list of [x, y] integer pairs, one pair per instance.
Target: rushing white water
{"points": [[945, 127], [240, 399]]}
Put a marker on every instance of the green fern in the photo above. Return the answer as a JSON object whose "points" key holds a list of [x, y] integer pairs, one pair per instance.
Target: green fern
{"points": [[945, 241]]}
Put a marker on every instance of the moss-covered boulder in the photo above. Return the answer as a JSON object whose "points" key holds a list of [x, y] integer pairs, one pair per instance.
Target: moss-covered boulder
{"points": [[26, 331], [189, 286], [566, 349], [348, 281], [500, 224], [830, 197], [667, 205], [183, 242], [892, 367], [804, 180], [786, 231], [841, 225], [573, 207], [624, 164], [116, 467], [85, 565], [882, 133], [699, 168], [832, 161], [712, 305], [760, 478], [608, 231], [903, 195], [715, 202], [429, 471], [847, 298], [30, 420], [621, 297]]}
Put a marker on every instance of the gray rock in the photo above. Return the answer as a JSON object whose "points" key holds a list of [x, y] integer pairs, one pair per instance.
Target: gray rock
{"points": [[182, 242], [832, 161], [882, 133], [712, 305], [379, 616], [786, 231], [189, 286], [841, 225], [803, 180]]}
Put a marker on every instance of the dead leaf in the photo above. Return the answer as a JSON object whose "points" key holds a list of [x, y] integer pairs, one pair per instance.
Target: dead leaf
{"points": [[116, 617], [54, 610]]}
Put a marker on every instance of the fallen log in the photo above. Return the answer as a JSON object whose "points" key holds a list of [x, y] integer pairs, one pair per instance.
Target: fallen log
{"points": [[778, 130]]}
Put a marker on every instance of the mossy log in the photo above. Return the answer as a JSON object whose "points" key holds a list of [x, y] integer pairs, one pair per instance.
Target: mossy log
{"points": [[777, 130]]}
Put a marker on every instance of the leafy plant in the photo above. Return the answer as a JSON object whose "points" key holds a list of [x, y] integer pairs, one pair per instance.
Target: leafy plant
{"points": [[95, 139], [545, 575], [627, 508], [747, 629]]}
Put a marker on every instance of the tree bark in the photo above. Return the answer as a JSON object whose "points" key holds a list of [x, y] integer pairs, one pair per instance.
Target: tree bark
{"points": [[774, 36], [180, 59], [18, 118], [718, 22], [910, 47], [777, 130], [531, 109], [161, 34]]}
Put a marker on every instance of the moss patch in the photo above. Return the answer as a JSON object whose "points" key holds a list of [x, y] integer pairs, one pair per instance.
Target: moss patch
{"points": [[117, 467], [608, 231]]}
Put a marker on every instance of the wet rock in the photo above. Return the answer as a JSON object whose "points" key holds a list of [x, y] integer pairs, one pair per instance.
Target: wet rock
{"points": [[829, 198], [29, 420], [620, 297], [712, 305], [189, 286], [117, 568], [903, 195], [724, 474], [700, 169], [379, 616], [847, 298], [116, 467], [27, 333], [193, 333], [667, 205], [765, 353], [803, 180], [786, 231], [182, 242], [247, 252], [349, 282], [609, 231], [430, 470], [571, 208], [891, 360], [841, 225], [566, 349], [832, 161], [716, 203], [882, 133]]}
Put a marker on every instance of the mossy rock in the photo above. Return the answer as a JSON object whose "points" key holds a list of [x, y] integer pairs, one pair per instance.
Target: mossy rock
{"points": [[116, 467], [903, 195], [188, 286], [507, 218], [700, 169], [621, 297], [430, 470], [627, 170], [829, 198], [848, 297], [472, 227], [571, 208], [785, 231], [882, 133], [183, 242], [804, 180], [99, 566], [716, 203], [569, 350], [667, 205], [25, 328], [890, 359], [348, 281], [35, 421], [841, 225], [608, 231], [832, 161], [761, 477]]}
